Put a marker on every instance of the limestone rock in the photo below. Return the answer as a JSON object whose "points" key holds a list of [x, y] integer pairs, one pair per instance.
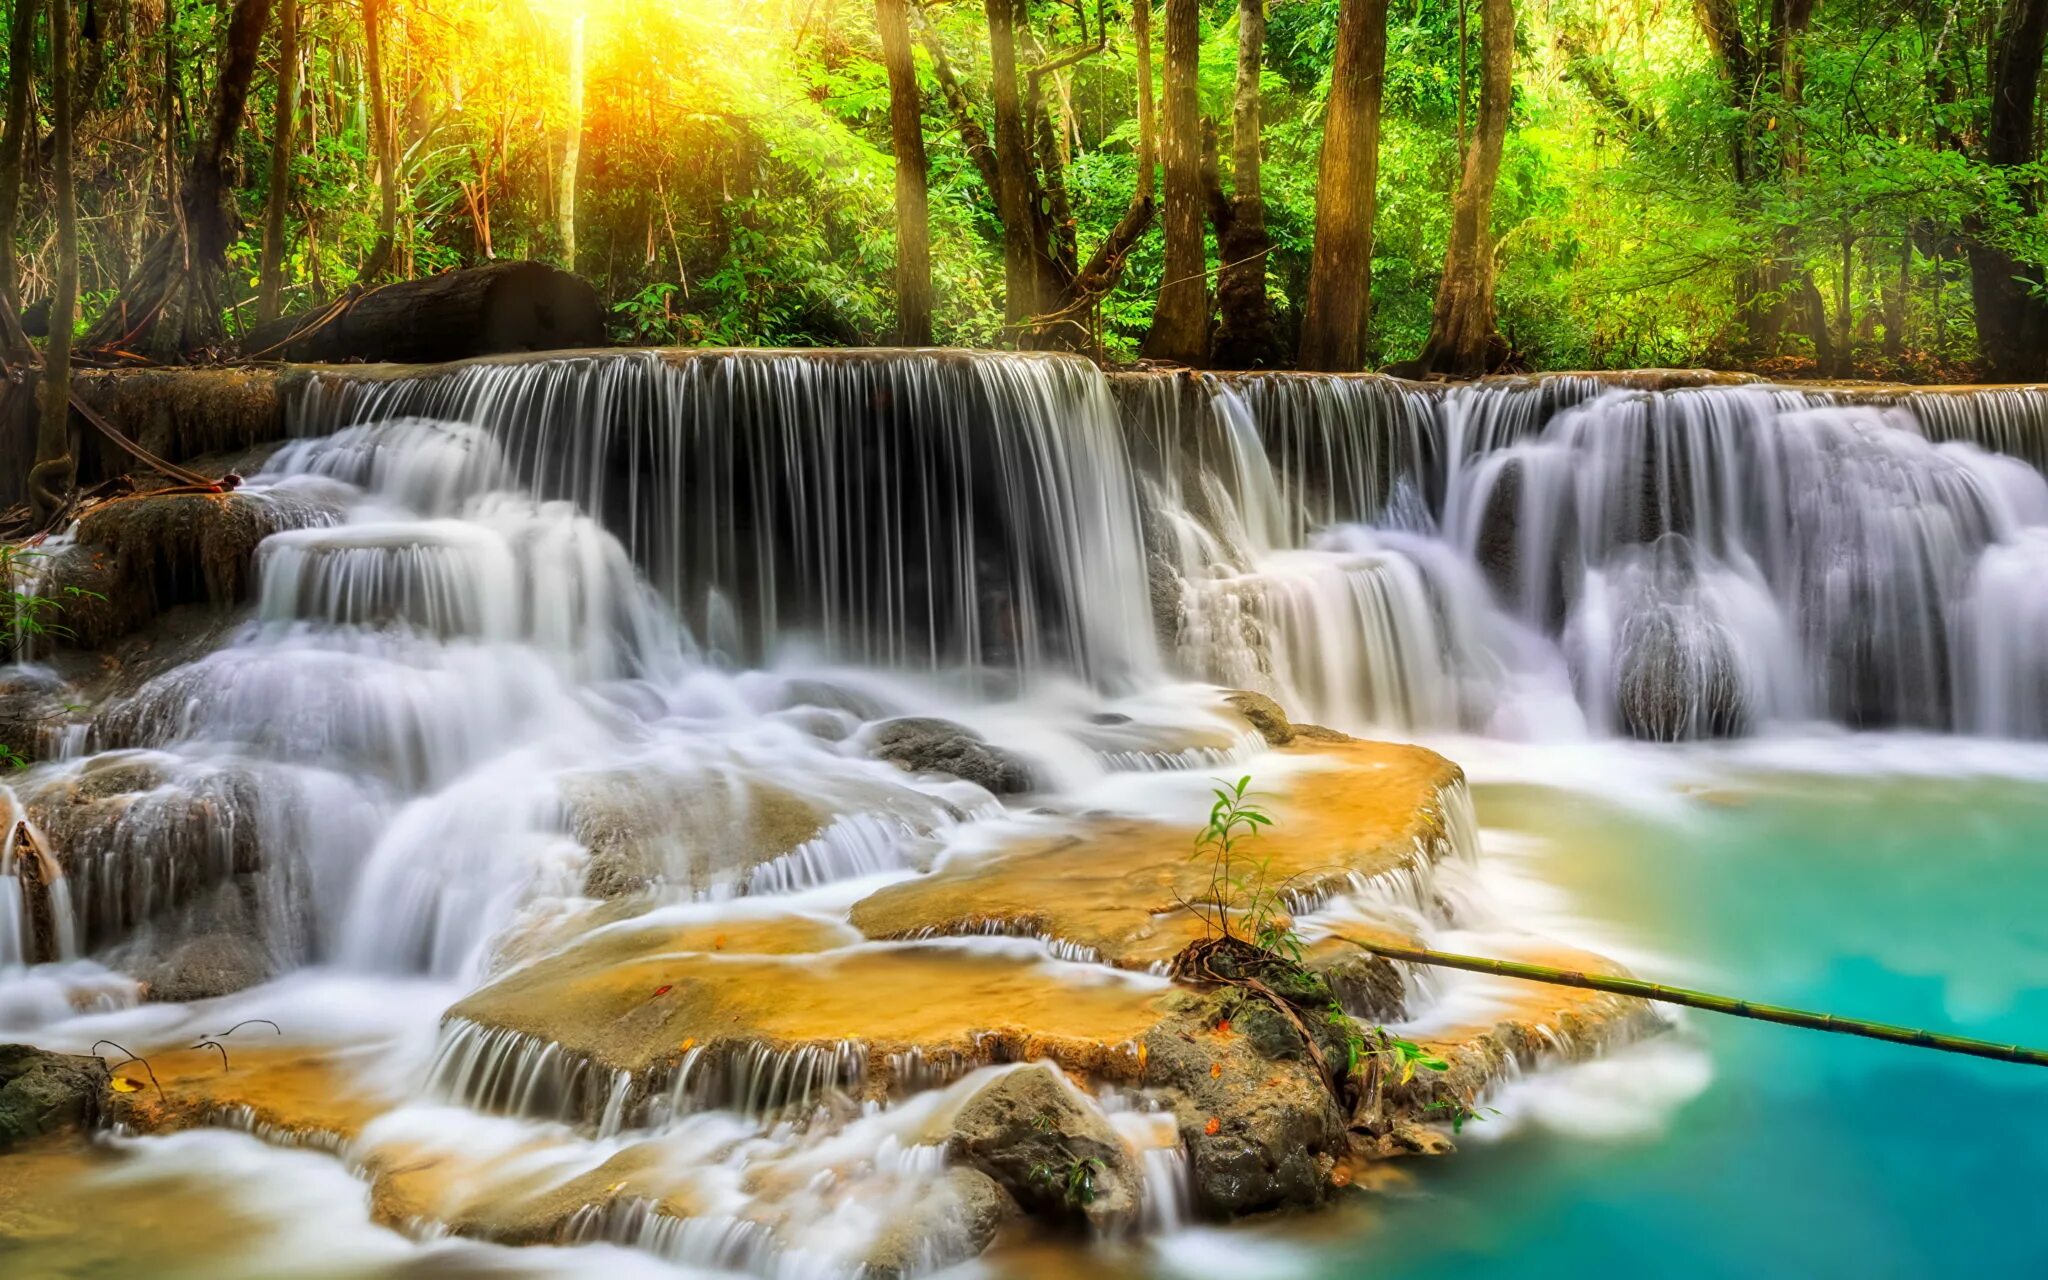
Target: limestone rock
{"points": [[955, 1221], [1059, 1158], [210, 965], [42, 1092], [1261, 1133], [923, 744], [1264, 714]]}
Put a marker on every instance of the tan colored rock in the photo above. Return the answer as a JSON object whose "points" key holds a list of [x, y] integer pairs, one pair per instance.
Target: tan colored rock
{"points": [[1117, 889]]}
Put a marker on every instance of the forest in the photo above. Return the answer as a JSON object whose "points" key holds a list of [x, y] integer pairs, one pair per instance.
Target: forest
{"points": [[1841, 188]]}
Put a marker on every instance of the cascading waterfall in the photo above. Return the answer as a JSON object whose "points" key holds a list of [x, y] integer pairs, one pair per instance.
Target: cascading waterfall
{"points": [[577, 632]]}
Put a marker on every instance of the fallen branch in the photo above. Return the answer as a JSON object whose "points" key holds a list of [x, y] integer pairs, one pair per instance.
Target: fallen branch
{"points": [[1708, 1001]]}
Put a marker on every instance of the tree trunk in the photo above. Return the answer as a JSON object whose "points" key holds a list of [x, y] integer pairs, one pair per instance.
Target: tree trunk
{"points": [[50, 481], [477, 311], [1335, 326], [1022, 297], [270, 292], [382, 143], [913, 214], [1148, 132], [170, 305], [1180, 323], [1463, 339], [2012, 322], [1245, 337], [21, 40], [572, 148]]}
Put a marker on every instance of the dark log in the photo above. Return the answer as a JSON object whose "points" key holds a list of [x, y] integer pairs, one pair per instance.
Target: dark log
{"points": [[479, 311]]}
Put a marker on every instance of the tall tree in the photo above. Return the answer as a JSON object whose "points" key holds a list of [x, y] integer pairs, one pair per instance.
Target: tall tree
{"points": [[21, 37], [1463, 336], [170, 305], [1180, 323], [1336, 323], [572, 146], [270, 288], [2012, 320], [1763, 84], [913, 211], [1022, 298], [383, 143], [1051, 295], [1245, 336], [51, 479]]}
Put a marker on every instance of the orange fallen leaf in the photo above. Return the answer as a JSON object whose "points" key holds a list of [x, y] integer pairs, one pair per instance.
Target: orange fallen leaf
{"points": [[718, 943], [1143, 1057], [1223, 1027], [1215, 1069], [663, 990], [688, 1044], [122, 1084], [1214, 1127]]}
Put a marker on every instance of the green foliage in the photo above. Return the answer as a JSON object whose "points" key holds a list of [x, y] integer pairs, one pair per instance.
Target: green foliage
{"points": [[737, 171], [1073, 1182], [1239, 889]]}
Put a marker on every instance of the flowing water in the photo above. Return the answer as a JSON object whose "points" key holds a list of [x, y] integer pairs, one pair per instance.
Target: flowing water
{"points": [[547, 636]]}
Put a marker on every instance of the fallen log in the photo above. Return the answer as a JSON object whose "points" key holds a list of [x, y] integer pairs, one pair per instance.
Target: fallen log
{"points": [[477, 311]]}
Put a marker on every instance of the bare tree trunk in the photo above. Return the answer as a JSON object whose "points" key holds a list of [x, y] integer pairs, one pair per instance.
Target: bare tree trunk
{"points": [[51, 480], [2012, 323], [382, 142], [1245, 337], [1463, 339], [913, 212], [270, 290], [1335, 326], [1022, 298], [1180, 323], [572, 148], [21, 38], [1148, 128]]}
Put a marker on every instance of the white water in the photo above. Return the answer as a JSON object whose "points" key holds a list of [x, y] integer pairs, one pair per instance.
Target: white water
{"points": [[569, 607]]}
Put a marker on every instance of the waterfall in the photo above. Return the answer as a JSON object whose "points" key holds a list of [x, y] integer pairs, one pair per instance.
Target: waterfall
{"points": [[1661, 560], [911, 510]]}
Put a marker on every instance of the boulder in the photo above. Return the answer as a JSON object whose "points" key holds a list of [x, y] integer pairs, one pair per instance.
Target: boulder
{"points": [[207, 966], [924, 744], [1261, 1132], [1056, 1156], [954, 1221], [1679, 677], [42, 1092], [1264, 715]]}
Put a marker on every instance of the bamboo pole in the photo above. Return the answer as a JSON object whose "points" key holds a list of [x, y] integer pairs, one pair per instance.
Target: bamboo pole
{"points": [[1710, 1002]]}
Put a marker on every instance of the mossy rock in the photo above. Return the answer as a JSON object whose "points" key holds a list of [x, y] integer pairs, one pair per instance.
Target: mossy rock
{"points": [[43, 1092]]}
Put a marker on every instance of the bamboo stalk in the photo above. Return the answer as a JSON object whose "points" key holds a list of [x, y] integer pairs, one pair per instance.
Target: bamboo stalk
{"points": [[1705, 1000]]}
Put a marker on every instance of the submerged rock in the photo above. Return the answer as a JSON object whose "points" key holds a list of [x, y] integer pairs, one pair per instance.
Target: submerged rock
{"points": [[1057, 1157], [924, 744], [43, 1092]]}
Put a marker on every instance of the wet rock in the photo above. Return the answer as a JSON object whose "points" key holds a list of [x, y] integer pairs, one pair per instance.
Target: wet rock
{"points": [[1680, 677], [210, 965], [925, 744], [138, 556], [1059, 1158], [36, 711], [646, 827], [42, 1092], [1264, 714], [1261, 1132], [954, 1221]]}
